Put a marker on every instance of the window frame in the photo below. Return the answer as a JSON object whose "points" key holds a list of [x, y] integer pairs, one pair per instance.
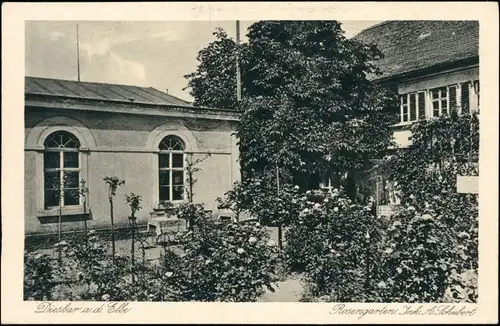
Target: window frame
{"points": [[473, 101], [61, 150], [408, 107], [439, 100], [171, 169]]}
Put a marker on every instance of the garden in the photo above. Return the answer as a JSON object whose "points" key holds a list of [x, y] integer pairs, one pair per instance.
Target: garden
{"points": [[309, 114], [336, 245]]}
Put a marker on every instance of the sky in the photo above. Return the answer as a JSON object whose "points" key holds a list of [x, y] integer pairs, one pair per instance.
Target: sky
{"points": [[150, 54]]}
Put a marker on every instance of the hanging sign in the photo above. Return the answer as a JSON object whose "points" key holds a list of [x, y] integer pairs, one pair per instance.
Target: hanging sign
{"points": [[467, 184]]}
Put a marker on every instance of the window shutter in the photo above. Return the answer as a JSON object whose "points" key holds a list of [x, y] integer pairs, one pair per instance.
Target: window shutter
{"points": [[404, 107], [452, 96], [421, 105], [476, 91], [465, 98], [413, 107]]}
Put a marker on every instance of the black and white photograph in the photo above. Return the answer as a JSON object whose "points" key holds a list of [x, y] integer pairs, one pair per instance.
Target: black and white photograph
{"points": [[268, 161]]}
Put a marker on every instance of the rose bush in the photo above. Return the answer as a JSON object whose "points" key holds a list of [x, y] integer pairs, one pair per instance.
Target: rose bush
{"points": [[39, 276], [435, 236], [211, 262], [225, 262], [193, 214], [327, 242], [260, 197], [88, 263], [429, 255]]}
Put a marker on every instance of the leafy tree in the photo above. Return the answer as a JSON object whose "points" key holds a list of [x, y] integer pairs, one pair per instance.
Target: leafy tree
{"points": [[307, 105], [213, 84]]}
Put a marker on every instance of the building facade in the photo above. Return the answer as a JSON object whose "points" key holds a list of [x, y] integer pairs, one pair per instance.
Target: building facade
{"points": [[79, 131], [434, 67]]}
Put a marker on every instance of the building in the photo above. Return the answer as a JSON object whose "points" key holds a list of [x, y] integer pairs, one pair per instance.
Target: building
{"points": [[88, 131], [433, 65]]}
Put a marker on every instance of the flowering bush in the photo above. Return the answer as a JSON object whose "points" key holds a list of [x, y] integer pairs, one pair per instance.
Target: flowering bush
{"points": [[90, 266], [194, 214], [225, 262], [211, 262], [237, 199], [39, 276], [327, 242], [432, 245], [86, 272], [427, 255], [260, 197]]}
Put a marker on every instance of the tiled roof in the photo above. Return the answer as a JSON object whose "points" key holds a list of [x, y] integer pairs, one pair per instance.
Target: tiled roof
{"points": [[410, 46], [100, 91]]}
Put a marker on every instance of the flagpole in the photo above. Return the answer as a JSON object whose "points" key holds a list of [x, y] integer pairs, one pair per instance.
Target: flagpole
{"points": [[77, 52], [238, 72]]}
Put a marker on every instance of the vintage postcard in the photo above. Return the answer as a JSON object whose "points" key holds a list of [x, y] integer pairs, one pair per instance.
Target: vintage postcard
{"points": [[250, 162]]}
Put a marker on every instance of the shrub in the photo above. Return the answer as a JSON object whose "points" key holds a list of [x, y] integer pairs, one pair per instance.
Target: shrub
{"points": [[194, 214], [426, 255], [225, 262], [213, 262], [441, 149], [94, 270], [260, 197], [327, 243], [417, 255], [39, 276], [434, 240]]}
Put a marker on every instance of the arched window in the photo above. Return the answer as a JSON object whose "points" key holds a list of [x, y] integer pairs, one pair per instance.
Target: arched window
{"points": [[171, 169], [61, 169]]}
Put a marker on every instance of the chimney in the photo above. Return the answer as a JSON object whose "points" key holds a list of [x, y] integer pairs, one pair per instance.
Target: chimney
{"points": [[166, 90]]}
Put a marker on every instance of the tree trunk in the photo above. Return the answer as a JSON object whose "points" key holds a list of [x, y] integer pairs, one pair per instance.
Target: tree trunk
{"points": [[367, 266], [350, 185], [59, 231], [336, 180], [190, 188], [280, 237], [113, 250], [132, 249], [280, 231], [85, 216]]}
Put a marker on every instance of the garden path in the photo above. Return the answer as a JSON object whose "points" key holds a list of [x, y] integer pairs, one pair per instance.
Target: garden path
{"points": [[289, 290]]}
